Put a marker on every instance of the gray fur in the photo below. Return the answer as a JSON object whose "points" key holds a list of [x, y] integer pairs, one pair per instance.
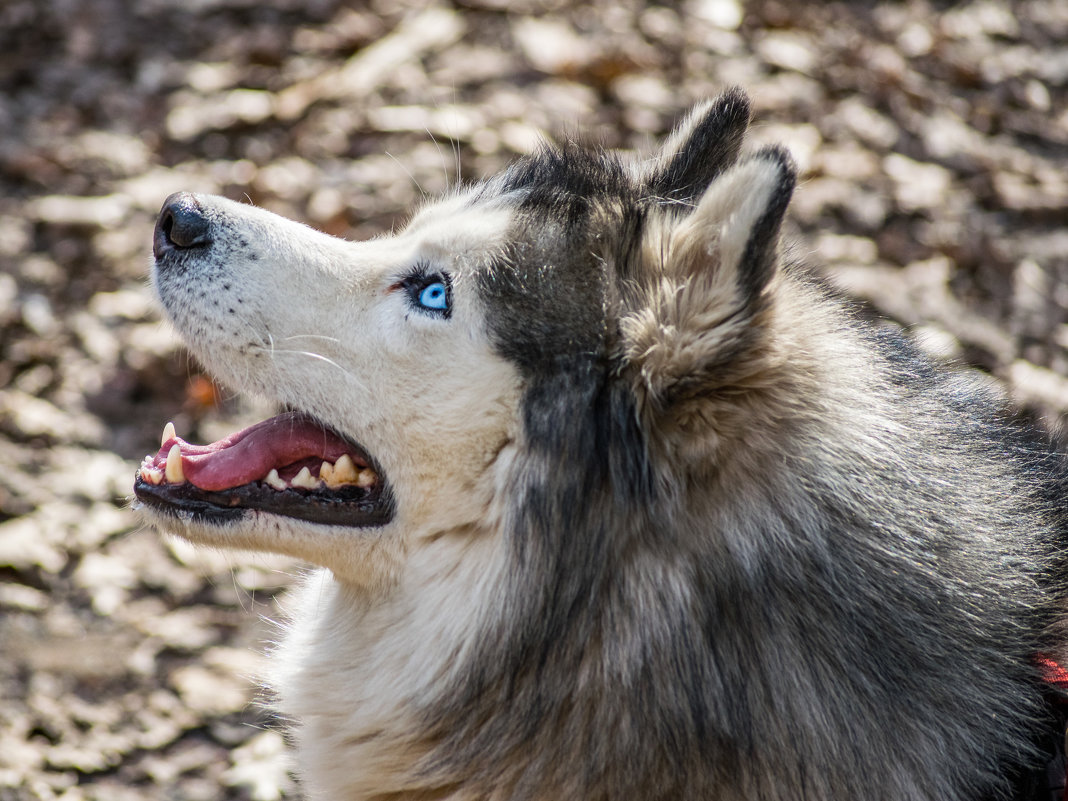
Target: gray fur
{"points": [[840, 600]]}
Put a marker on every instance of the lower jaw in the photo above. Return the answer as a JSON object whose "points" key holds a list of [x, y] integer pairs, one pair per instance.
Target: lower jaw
{"points": [[353, 507]]}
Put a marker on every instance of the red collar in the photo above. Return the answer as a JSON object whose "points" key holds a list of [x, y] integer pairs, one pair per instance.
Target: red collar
{"points": [[1053, 672]]}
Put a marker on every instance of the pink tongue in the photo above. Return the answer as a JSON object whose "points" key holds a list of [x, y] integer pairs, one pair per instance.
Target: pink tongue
{"points": [[248, 455]]}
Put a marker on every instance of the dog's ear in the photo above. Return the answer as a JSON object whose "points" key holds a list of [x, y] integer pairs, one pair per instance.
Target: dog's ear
{"points": [[697, 329], [733, 233], [700, 148]]}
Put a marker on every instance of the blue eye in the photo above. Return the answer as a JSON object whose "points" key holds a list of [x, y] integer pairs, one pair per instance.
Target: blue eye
{"points": [[434, 296], [428, 292]]}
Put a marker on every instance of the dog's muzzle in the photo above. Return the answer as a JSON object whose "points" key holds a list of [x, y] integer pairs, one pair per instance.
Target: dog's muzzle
{"points": [[292, 465]]}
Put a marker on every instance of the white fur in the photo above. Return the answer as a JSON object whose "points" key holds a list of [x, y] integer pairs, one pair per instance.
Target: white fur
{"points": [[319, 328]]}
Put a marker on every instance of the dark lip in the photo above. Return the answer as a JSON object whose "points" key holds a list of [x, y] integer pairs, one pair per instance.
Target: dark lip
{"points": [[351, 507]]}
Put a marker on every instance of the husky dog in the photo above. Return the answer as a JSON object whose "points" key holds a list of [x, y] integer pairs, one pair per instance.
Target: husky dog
{"points": [[614, 502]]}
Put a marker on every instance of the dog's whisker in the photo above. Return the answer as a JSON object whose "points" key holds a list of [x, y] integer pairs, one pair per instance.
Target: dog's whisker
{"points": [[659, 200], [408, 172], [275, 351], [311, 336]]}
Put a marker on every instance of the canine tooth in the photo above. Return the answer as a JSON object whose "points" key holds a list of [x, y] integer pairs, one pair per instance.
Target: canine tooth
{"points": [[274, 480], [366, 478], [345, 471], [174, 472], [168, 434], [304, 479]]}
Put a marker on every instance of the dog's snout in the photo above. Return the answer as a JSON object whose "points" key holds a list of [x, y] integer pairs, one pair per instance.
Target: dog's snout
{"points": [[181, 225]]}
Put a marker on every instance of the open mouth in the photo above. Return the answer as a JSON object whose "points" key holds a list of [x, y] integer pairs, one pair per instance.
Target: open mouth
{"points": [[291, 465]]}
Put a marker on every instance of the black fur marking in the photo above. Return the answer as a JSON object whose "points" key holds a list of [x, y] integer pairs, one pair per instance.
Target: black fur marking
{"points": [[712, 147], [578, 220], [586, 461], [761, 250], [566, 178]]}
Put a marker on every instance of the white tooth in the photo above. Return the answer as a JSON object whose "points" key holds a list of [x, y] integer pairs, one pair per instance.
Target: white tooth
{"points": [[345, 471], [326, 474], [274, 480], [367, 478], [304, 479], [168, 434], [152, 475], [174, 472]]}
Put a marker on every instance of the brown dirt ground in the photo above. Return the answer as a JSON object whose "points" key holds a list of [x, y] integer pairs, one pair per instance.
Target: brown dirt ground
{"points": [[934, 142]]}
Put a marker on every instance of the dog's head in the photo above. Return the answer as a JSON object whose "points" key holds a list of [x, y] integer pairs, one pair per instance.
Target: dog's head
{"points": [[569, 316]]}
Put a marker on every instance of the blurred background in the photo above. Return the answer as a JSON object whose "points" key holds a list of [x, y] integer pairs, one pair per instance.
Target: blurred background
{"points": [[933, 139]]}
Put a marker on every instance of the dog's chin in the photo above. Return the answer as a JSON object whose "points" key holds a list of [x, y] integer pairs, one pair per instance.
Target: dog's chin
{"points": [[289, 467], [364, 557]]}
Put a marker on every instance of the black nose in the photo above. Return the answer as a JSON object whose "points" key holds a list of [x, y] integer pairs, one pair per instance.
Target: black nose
{"points": [[181, 225]]}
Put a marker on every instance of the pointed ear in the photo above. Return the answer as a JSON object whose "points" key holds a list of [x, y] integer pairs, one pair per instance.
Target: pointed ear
{"points": [[735, 227], [700, 331], [700, 148]]}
